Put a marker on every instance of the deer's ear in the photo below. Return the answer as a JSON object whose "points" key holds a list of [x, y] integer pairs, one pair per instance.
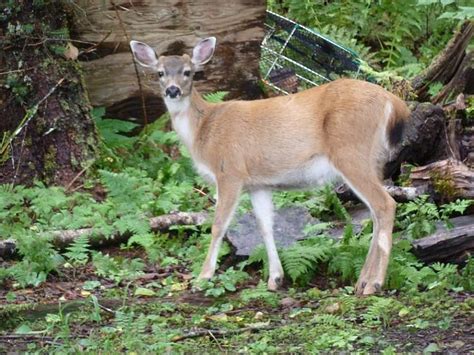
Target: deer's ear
{"points": [[144, 54], [203, 51]]}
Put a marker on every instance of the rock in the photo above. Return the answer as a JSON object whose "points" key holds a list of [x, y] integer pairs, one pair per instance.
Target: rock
{"points": [[289, 224], [288, 228]]}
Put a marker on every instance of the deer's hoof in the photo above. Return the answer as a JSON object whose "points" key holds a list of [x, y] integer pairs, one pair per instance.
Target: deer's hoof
{"points": [[275, 283], [367, 288]]}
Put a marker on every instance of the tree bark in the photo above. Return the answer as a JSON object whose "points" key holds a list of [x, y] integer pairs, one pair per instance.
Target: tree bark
{"points": [[425, 139], [46, 131]]}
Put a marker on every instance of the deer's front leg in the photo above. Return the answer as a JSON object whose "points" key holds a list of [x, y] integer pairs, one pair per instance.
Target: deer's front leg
{"points": [[228, 192]]}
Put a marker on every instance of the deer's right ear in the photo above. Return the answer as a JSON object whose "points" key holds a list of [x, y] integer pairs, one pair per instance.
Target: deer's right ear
{"points": [[144, 54]]}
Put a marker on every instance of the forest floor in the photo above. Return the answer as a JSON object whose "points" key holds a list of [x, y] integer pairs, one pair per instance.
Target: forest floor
{"points": [[76, 310]]}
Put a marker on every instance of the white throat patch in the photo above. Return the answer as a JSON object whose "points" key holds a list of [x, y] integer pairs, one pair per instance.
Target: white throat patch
{"points": [[181, 120]]}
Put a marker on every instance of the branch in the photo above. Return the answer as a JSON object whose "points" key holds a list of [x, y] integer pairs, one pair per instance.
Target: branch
{"points": [[63, 238]]}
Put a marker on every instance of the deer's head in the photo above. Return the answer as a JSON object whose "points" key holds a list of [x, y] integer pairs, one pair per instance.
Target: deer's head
{"points": [[175, 72]]}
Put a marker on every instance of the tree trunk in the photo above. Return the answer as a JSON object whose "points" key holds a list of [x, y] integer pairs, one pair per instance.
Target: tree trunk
{"points": [[46, 131]]}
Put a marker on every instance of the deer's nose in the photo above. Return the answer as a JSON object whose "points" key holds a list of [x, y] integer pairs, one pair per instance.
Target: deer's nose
{"points": [[173, 91]]}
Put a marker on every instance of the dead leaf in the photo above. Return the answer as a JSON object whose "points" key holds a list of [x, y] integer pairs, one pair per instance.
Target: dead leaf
{"points": [[220, 317], [289, 302], [333, 308], [71, 52], [258, 315]]}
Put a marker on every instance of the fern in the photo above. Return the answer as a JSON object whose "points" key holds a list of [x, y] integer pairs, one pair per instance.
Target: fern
{"points": [[111, 130], [215, 97], [259, 255], [78, 252], [259, 294], [349, 258], [380, 311], [330, 319], [302, 259]]}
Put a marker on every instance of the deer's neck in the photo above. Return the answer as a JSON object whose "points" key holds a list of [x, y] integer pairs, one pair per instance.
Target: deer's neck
{"points": [[186, 116]]}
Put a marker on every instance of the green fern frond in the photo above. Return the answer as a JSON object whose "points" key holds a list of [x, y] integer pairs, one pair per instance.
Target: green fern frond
{"points": [[78, 251], [301, 260], [215, 97], [329, 319]]}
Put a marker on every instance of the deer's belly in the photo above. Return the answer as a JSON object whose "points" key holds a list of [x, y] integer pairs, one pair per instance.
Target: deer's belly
{"points": [[317, 171]]}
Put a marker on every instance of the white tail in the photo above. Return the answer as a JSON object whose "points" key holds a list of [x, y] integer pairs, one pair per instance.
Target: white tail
{"points": [[341, 129]]}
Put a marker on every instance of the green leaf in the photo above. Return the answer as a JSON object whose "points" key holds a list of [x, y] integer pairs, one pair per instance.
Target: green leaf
{"points": [[142, 291], [215, 97], [431, 348], [23, 329]]}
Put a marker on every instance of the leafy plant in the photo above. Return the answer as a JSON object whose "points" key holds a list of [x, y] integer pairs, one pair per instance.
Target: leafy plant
{"points": [[78, 252], [38, 259], [222, 283], [117, 269]]}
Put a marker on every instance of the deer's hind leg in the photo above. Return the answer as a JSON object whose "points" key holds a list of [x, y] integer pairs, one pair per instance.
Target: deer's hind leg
{"points": [[367, 186]]}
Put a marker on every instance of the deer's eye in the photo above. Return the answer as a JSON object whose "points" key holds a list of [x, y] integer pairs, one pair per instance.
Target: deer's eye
{"points": [[187, 73], [161, 74]]}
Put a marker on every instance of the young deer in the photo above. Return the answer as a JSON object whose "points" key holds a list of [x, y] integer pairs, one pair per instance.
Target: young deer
{"points": [[341, 129]]}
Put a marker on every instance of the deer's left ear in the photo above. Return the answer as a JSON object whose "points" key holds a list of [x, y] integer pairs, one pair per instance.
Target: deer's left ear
{"points": [[203, 51], [144, 54]]}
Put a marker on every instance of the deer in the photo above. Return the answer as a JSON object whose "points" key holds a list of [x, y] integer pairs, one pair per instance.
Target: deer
{"points": [[343, 129]]}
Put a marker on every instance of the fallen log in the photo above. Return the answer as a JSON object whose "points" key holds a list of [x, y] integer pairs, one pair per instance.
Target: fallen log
{"points": [[446, 180], [447, 245], [63, 238], [399, 193]]}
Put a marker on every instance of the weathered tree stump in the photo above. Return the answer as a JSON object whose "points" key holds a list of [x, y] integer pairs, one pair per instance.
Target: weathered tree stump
{"points": [[171, 27], [424, 140], [452, 67]]}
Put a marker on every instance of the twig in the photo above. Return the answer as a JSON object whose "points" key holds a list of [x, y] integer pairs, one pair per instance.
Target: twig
{"points": [[212, 200], [220, 333], [63, 238], [16, 71], [217, 341], [142, 96], [78, 175]]}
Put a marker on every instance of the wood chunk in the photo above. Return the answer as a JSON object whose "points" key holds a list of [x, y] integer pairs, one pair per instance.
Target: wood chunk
{"points": [[447, 245], [447, 179]]}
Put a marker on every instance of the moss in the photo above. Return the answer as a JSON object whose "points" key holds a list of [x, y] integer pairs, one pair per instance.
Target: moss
{"points": [[11, 314], [50, 160], [444, 186]]}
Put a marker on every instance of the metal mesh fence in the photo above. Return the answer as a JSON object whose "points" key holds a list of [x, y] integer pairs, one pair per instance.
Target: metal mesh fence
{"points": [[295, 57]]}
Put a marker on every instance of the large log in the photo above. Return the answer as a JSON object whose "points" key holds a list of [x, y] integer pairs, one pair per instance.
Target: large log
{"points": [[424, 141], [171, 27], [447, 245]]}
